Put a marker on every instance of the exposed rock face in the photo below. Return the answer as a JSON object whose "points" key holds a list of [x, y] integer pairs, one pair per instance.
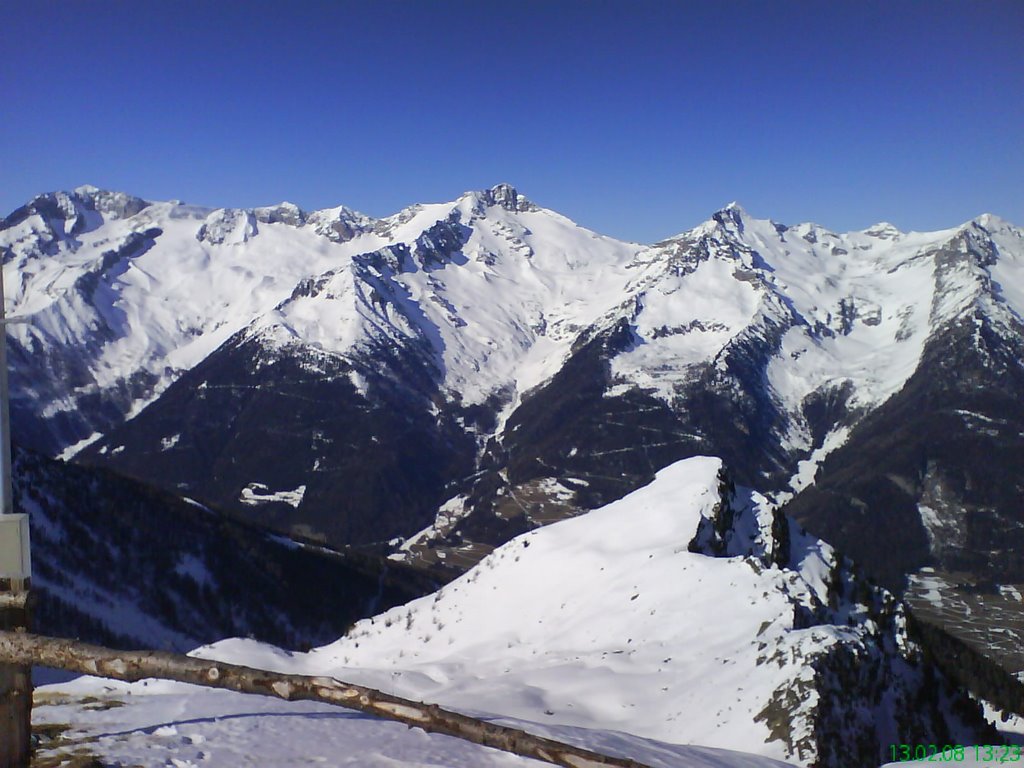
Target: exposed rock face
{"points": [[932, 476], [66, 214], [880, 680], [340, 224], [228, 226], [284, 213], [506, 196]]}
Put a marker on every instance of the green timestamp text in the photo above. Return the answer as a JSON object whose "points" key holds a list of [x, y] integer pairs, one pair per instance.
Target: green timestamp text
{"points": [[956, 753]]}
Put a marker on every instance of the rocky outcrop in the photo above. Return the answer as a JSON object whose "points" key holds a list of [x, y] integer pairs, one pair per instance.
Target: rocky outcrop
{"points": [[872, 673], [228, 226], [339, 224], [283, 213]]}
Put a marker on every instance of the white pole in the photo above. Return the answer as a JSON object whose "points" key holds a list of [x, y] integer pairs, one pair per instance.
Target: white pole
{"points": [[6, 492], [15, 574], [15, 554]]}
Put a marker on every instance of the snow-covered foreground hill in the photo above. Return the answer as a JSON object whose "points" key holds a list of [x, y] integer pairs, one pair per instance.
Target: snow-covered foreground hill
{"points": [[686, 613]]}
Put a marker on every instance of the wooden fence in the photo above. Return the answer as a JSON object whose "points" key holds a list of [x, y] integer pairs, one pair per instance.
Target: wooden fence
{"points": [[22, 649]]}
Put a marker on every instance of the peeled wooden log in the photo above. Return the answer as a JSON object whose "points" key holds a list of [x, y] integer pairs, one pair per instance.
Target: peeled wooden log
{"points": [[131, 666]]}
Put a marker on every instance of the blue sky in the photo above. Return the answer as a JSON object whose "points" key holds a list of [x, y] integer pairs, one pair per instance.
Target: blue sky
{"points": [[638, 119]]}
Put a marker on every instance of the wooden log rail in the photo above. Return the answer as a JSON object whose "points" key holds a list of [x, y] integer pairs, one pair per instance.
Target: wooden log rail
{"points": [[27, 649]]}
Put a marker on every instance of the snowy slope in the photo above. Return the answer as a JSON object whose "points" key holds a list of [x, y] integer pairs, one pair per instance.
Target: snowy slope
{"points": [[497, 286], [611, 620], [129, 301], [666, 616], [603, 619], [166, 724]]}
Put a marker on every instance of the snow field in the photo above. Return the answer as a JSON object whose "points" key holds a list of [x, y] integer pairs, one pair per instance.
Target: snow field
{"points": [[594, 628]]}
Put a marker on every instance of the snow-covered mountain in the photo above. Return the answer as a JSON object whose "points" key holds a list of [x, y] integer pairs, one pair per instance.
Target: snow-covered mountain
{"points": [[687, 613], [428, 386], [458, 373], [146, 291]]}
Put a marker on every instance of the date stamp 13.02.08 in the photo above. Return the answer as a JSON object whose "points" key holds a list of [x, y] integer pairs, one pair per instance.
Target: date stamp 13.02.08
{"points": [[975, 754]]}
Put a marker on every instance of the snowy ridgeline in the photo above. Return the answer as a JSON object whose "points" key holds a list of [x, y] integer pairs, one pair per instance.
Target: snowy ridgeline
{"points": [[490, 290], [686, 613], [260, 361]]}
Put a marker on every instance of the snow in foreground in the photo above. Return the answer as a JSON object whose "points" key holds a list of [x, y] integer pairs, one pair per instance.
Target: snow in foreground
{"points": [[604, 630], [169, 724]]}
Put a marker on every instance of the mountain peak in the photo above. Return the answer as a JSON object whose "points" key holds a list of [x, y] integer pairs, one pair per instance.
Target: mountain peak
{"points": [[504, 189], [732, 217], [113, 204], [991, 223], [284, 213], [340, 223], [73, 208], [508, 197], [883, 230]]}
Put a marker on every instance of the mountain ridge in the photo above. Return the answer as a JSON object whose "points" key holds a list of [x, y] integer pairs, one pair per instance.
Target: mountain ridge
{"points": [[421, 389], [764, 343]]}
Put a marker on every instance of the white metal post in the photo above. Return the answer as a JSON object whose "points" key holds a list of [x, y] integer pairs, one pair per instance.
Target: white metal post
{"points": [[15, 562], [15, 575], [6, 493]]}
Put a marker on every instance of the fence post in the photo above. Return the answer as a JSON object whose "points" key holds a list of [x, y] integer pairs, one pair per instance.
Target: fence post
{"points": [[15, 681]]}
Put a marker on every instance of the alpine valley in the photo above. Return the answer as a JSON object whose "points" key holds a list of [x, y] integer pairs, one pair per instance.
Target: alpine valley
{"points": [[379, 407]]}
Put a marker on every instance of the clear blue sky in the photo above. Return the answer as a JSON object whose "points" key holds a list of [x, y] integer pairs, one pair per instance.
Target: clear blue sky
{"points": [[637, 119]]}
